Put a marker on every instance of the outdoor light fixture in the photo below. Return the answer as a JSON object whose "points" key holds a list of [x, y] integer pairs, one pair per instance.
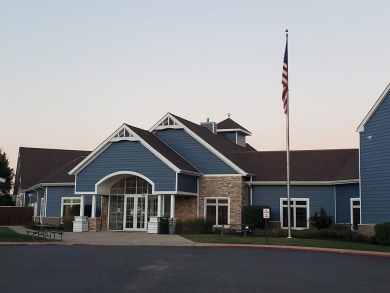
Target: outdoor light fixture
{"points": [[2, 180]]}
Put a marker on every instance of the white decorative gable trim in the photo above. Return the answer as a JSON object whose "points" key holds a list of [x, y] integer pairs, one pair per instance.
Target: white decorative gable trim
{"points": [[122, 133], [373, 109]]}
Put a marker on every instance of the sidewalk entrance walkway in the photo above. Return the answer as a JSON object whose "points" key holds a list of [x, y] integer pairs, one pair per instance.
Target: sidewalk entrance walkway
{"points": [[118, 238]]}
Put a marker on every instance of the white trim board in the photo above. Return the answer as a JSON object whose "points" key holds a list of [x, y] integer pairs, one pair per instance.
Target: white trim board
{"points": [[373, 109], [309, 183]]}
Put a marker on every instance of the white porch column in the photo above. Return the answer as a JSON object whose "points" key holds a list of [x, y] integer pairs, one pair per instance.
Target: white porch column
{"points": [[159, 205], [93, 212], [82, 205], [172, 212]]}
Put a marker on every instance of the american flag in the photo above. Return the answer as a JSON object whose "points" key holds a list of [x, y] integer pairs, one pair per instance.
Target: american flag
{"points": [[285, 81]]}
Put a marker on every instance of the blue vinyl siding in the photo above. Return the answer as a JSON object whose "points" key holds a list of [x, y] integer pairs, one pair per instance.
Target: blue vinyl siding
{"points": [[319, 197], [187, 183], [375, 166], [195, 153], [344, 193], [126, 156], [54, 199]]}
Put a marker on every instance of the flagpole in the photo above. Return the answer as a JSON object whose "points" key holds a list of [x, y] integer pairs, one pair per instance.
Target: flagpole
{"points": [[288, 154]]}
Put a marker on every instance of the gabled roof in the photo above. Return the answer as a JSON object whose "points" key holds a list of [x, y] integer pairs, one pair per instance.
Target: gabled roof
{"points": [[164, 150], [307, 165], [230, 125], [218, 143], [152, 143], [37, 165], [373, 109]]}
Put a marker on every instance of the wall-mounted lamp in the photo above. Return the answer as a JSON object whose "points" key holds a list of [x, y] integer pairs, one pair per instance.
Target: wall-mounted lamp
{"points": [[369, 137]]}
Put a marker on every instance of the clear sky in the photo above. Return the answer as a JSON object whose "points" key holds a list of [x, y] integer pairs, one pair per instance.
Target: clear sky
{"points": [[71, 72]]}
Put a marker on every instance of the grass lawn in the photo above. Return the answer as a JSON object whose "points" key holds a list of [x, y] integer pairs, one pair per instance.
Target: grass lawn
{"points": [[8, 235], [256, 240]]}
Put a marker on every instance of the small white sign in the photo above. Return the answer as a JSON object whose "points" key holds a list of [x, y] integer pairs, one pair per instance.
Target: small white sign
{"points": [[266, 213]]}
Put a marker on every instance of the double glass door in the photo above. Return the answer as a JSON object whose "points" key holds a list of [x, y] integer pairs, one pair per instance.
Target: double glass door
{"points": [[135, 215]]}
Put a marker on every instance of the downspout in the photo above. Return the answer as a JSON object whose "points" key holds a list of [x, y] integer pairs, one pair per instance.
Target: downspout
{"points": [[335, 203], [250, 191]]}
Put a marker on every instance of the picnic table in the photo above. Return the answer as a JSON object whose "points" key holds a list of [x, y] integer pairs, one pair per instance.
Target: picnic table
{"points": [[46, 231]]}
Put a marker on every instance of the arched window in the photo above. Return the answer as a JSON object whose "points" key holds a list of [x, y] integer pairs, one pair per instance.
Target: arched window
{"points": [[131, 185]]}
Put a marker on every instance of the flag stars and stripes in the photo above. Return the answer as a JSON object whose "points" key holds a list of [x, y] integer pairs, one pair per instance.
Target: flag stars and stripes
{"points": [[285, 81]]}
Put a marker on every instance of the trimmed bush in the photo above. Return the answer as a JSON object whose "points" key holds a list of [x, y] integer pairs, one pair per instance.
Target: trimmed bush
{"points": [[339, 227], [321, 220], [382, 233], [358, 237], [194, 226], [252, 216], [372, 240]]}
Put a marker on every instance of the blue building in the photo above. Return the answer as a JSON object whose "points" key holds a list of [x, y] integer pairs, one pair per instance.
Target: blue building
{"points": [[180, 169], [374, 134]]}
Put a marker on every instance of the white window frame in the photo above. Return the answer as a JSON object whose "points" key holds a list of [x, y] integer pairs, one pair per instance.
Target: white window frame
{"points": [[294, 206], [71, 204], [352, 206], [217, 204]]}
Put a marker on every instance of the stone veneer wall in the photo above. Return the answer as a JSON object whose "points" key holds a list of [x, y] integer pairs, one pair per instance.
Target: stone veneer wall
{"points": [[104, 214], [368, 230], [185, 207], [224, 186]]}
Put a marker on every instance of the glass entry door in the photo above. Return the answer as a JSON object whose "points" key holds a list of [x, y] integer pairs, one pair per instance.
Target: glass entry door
{"points": [[135, 213]]}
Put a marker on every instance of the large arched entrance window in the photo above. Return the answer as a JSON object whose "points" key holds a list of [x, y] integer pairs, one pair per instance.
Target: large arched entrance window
{"points": [[131, 204]]}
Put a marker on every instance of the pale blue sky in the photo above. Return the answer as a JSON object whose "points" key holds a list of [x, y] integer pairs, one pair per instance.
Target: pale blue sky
{"points": [[71, 72]]}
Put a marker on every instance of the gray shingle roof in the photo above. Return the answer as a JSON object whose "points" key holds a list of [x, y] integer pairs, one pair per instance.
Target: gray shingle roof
{"points": [[38, 164], [307, 165], [164, 150]]}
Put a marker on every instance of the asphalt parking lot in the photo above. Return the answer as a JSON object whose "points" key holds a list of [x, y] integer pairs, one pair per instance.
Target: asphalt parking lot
{"points": [[84, 268]]}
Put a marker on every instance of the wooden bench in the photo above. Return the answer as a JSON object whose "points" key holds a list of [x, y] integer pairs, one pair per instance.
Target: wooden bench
{"points": [[35, 232]]}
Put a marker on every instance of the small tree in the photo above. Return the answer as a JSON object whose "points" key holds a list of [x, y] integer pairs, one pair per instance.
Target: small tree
{"points": [[7, 175], [321, 220]]}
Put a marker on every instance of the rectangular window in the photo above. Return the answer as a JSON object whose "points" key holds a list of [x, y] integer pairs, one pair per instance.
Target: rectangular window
{"points": [[299, 213], [70, 206], [355, 213], [217, 210]]}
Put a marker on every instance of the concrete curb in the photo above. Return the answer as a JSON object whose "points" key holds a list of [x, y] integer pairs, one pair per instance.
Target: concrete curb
{"points": [[298, 248]]}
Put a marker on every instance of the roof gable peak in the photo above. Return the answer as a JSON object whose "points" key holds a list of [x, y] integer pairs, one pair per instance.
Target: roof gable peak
{"points": [[374, 108]]}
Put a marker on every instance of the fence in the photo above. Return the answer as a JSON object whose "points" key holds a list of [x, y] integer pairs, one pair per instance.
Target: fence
{"points": [[15, 216]]}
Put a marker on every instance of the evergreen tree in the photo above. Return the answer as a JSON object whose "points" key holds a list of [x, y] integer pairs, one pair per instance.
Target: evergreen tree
{"points": [[7, 174]]}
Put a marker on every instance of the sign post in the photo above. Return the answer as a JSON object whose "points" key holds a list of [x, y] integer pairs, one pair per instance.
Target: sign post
{"points": [[266, 214]]}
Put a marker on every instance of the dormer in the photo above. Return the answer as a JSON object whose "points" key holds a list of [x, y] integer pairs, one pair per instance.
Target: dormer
{"points": [[233, 131]]}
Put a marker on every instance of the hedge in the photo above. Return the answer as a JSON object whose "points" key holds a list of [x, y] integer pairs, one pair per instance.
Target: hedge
{"points": [[382, 233], [252, 216]]}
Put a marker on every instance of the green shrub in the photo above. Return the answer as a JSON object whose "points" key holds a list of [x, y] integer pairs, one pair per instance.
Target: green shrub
{"points": [[321, 220], [382, 233], [339, 227], [194, 226], [372, 240], [358, 237], [252, 216]]}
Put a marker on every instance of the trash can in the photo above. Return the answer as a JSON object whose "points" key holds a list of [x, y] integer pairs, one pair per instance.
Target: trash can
{"points": [[162, 225]]}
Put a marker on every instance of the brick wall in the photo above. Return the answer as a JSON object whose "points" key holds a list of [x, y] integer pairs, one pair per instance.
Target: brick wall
{"points": [[225, 186], [185, 207], [366, 229]]}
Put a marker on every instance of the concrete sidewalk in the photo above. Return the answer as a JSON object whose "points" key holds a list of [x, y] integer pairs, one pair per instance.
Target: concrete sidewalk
{"points": [[116, 238]]}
